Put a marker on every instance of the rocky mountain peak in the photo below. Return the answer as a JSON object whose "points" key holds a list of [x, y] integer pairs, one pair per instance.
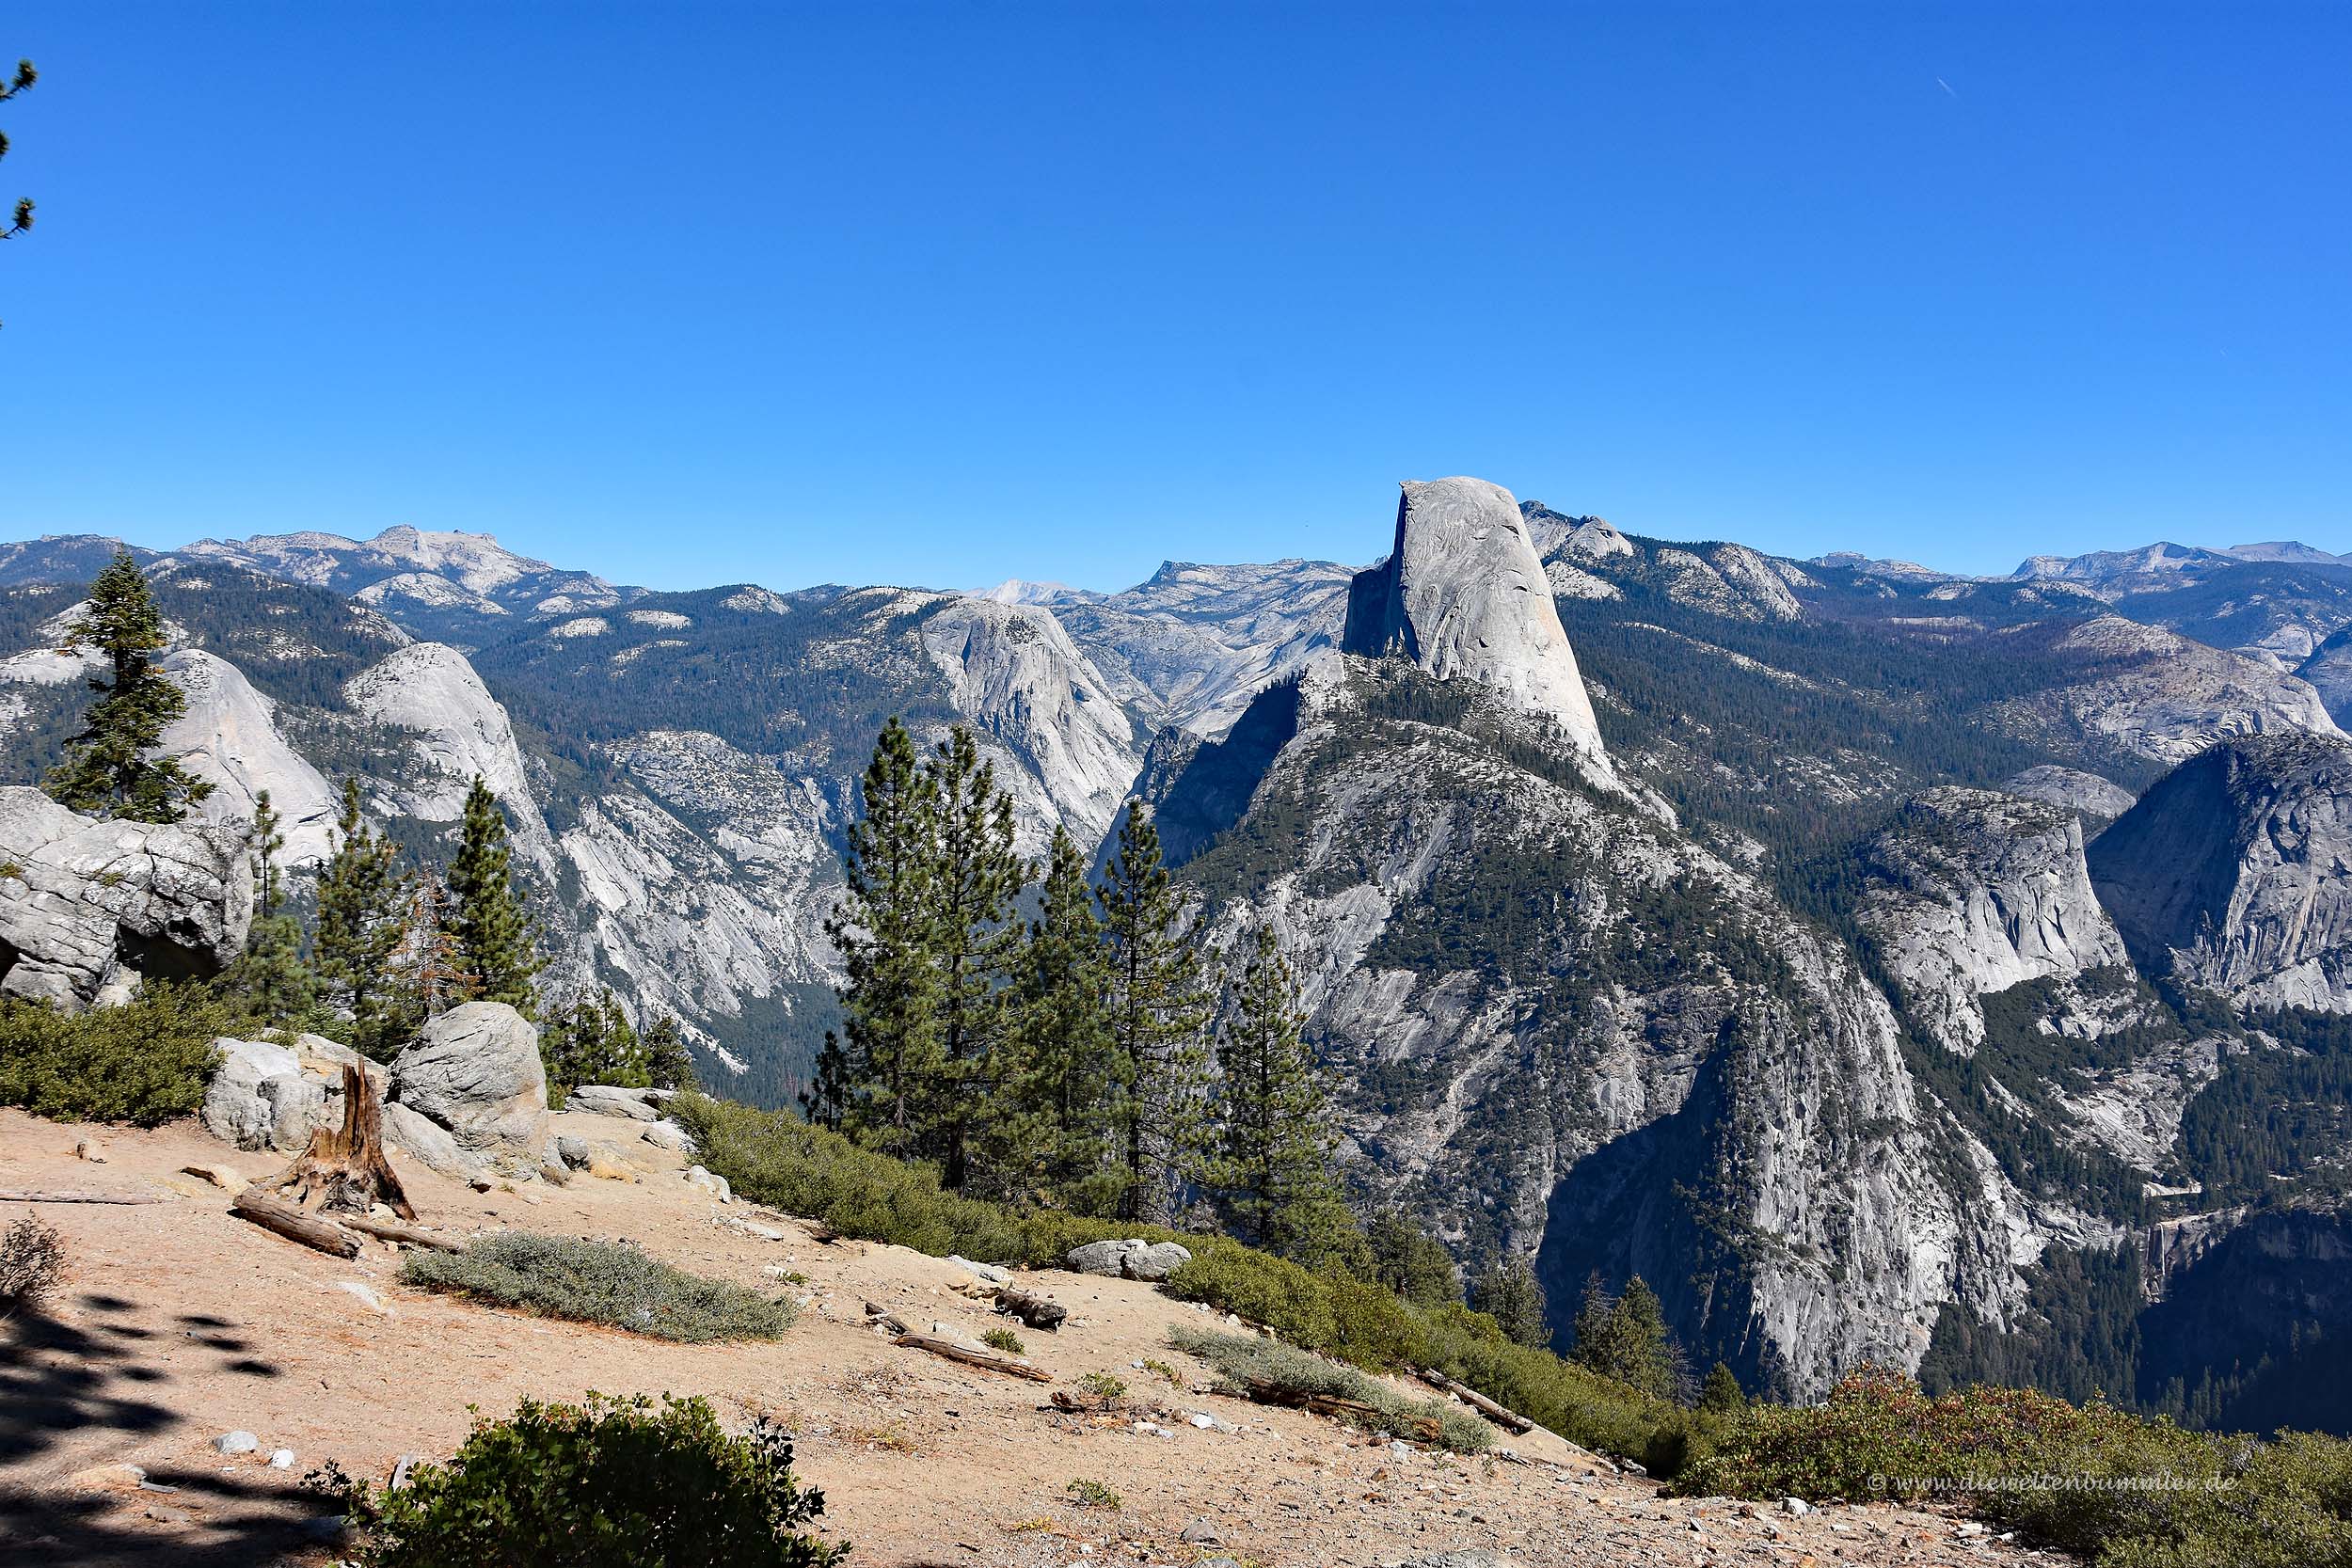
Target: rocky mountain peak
{"points": [[2235, 871], [1463, 596]]}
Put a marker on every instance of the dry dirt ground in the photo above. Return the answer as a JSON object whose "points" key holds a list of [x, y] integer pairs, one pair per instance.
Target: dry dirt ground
{"points": [[179, 1323]]}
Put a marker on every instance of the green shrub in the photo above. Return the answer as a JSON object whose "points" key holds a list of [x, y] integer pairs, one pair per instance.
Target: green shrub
{"points": [[32, 1265], [1004, 1340], [1242, 1360], [144, 1062], [1091, 1494], [593, 1282], [614, 1483]]}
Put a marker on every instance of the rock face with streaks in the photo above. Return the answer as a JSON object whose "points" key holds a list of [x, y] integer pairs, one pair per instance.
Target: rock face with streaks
{"points": [[456, 730], [1463, 597], [89, 909], [1012, 671], [1972, 891], [2234, 872]]}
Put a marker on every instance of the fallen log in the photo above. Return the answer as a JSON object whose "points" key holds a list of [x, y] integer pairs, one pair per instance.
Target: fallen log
{"points": [[1036, 1310], [406, 1235], [274, 1215], [1267, 1392], [24, 1195], [987, 1361], [1478, 1401]]}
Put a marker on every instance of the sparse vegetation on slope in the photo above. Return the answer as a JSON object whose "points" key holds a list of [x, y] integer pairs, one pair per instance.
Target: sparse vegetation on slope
{"points": [[598, 1283], [1260, 1369]]}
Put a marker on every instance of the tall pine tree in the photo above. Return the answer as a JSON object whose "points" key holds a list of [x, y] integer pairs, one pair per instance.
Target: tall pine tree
{"points": [[1512, 1295], [890, 993], [1158, 1011], [108, 770], [975, 880], [270, 975], [362, 898], [496, 945], [1051, 1133], [1273, 1173]]}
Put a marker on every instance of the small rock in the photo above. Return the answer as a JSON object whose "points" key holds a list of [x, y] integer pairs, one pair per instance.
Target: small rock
{"points": [[988, 1272], [1797, 1506], [163, 1515], [1200, 1532], [237, 1442], [715, 1185], [669, 1135], [89, 1151], [572, 1152], [281, 1459]]}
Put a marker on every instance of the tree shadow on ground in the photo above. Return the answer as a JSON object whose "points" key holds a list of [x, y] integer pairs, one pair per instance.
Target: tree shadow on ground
{"points": [[64, 1381]]}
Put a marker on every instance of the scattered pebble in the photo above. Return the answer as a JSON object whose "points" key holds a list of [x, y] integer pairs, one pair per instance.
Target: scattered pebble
{"points": [[237, 1442]]}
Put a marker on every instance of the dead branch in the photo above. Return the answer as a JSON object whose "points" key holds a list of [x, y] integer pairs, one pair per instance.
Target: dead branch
{"points": [[24, 1195], [1036, 1310], [406, 1235], [1476, 1401], [986, 1360]]}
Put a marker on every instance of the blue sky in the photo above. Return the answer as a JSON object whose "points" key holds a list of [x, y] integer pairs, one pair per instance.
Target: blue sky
{"points": [[696, 293]]}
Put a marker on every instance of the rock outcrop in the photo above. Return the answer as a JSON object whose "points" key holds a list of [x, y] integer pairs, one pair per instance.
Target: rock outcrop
{"points": [[1463, 596], [89, 909], [2234, 872], [1971, 892], [228, 735], [457, 730], [2100, 799], [470, 1095]]}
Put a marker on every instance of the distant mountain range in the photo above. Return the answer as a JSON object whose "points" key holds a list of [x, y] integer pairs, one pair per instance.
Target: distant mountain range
{"points": [[1885, 963]]}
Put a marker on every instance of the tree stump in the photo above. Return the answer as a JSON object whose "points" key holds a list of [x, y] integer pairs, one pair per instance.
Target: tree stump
{"points": [[344, 1170]]}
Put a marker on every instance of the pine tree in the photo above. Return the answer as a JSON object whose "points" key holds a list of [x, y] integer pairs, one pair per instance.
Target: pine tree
{"points": [[270, 975], [108, 770], [1512, 1295], [1409, 1260], [429, 973], [591, 1042], [1051, 1133], [1626, 1338], [975, 878], [361, 896], [890, 993], [669, 1065], [497, 945], [1157, 1013], [1273, 1172], [826, 1100], [1721, 1393]]}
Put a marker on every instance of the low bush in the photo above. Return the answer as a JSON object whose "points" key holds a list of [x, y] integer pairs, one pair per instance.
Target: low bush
{"points": [[613, 1483], [1004, 1340], [32, 1265], [1245, 1363], [594, 1282], [144, 1062]]}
